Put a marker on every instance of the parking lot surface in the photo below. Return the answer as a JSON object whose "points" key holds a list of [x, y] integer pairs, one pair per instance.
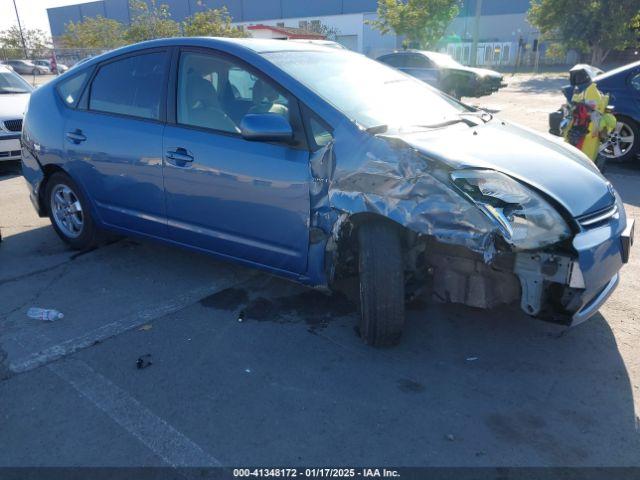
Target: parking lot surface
{"points": [[292, 384]]}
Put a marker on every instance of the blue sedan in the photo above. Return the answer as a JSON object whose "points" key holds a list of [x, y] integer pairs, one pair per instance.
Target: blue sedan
{"points": [[623, 87], [318, 164]]}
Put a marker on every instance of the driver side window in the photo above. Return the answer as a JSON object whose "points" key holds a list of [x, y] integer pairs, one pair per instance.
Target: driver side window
{"points": [[215, 93]]}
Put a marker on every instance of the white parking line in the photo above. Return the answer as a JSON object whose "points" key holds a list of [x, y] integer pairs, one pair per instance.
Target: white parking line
{"points": [[160, 437], [55, 352]]}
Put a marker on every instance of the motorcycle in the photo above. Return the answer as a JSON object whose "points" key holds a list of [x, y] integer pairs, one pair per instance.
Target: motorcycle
{"points": [[587, 119]]}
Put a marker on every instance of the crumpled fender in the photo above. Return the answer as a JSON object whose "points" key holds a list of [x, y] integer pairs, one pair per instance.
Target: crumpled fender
{"points": [[385, 176]]}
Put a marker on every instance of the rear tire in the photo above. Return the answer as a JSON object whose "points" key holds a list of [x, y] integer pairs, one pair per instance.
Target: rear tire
{"points": [[69, 212], [381, 284], [626, 131]]}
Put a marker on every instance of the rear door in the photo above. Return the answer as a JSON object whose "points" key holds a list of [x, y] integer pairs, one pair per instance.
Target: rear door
{"points": [[114, 141], [243, 199]]}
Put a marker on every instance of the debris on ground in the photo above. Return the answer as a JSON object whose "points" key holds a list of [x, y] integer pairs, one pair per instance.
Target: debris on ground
{"points": [[144, 361], [44, 314]]}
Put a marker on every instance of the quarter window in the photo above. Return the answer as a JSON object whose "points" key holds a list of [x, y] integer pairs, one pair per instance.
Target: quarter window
{"points": [[71, 88], [635, 82], [131, 86]]}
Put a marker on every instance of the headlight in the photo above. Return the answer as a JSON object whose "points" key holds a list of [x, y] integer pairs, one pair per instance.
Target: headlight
{"points": [[525, 219]]}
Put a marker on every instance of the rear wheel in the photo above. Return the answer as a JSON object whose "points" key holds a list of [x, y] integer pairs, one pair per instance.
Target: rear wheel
{"points": [[381, 284], [69, 212], [624, 142]]}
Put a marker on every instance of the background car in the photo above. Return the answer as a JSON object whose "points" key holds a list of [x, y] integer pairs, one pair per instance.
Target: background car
{"points": [[26, 67], [623, 87], [444, 73], [60, 68], [14, 96]]}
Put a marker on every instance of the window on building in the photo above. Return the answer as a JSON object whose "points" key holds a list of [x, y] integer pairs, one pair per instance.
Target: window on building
{"points": [[280, 24], [315, 25], [131, 86], [303, 24]]}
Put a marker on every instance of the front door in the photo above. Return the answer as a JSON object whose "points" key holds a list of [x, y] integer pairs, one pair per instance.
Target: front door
{"points": [[114, 144], [243, 199]]}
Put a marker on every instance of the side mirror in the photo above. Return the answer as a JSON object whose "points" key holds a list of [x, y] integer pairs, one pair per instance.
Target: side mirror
{"points": [[266, 127]]}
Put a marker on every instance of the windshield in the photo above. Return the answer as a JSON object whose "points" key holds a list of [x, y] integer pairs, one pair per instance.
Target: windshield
{"points": [[368, 92], [12, 83], [443, 60]]}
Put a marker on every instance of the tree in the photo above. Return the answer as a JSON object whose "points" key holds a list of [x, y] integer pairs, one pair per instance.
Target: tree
{"points": [[97, 32], [37, 42], [211, 23], [422, 22], [150, 20], [596, 26]]}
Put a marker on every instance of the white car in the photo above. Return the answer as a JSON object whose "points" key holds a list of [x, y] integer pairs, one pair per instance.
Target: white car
{"points": [[14, 97]]}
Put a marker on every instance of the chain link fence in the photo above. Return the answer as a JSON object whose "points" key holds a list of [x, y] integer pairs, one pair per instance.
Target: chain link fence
{"points": [[64, 56]]}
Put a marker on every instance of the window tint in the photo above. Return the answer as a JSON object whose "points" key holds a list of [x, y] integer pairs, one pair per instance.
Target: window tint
{"points": [[417, 61], [131, 86], [397, 61], [635, 82], [220, 104], [71, 88]]}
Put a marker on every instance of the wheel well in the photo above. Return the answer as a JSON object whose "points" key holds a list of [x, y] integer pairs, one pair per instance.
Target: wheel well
{"points": [[344, 249], [48, 170]]}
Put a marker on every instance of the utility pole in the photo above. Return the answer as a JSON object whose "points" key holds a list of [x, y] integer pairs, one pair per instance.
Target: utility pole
{"points": [[24, 45], [476, 34]]}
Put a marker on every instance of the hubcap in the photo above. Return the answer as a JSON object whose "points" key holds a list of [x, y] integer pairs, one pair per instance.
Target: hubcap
{"points": [[619, 142], [67, 211]]}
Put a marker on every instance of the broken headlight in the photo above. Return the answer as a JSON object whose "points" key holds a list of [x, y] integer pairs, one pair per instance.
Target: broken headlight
{"points": [[526, 220]]}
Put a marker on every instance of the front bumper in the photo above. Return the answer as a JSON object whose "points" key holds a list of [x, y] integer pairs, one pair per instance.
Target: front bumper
{"points": [[602, 252], [10, 148]]}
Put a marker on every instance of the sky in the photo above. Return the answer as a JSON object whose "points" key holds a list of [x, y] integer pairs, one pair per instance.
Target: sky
{"points": [[33, 13]]}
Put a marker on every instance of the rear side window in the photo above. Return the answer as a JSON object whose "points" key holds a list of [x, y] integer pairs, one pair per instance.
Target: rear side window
{"points": [[70, 89], [131, 86], [397, 61], [635, 82]]}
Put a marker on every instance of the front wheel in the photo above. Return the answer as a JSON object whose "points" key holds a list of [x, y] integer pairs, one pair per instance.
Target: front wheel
{"points": [[69, 212], [381, 272]]}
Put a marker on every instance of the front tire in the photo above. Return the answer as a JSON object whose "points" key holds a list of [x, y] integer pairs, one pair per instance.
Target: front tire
{"points": [[69, 212], [381, 272]]}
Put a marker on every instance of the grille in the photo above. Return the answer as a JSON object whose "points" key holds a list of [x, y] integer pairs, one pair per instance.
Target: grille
{"points": [[13, 125], [598, 218]]}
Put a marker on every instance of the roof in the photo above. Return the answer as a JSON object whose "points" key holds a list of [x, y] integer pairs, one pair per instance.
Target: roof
{"points": [[293, 33]]}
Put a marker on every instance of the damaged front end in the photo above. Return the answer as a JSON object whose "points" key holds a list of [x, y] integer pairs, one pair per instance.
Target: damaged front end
{"points": [[472, 236]]}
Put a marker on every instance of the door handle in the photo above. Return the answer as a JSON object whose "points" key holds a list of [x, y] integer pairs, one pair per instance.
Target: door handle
{"points": [[76, 136], [179, 157]]}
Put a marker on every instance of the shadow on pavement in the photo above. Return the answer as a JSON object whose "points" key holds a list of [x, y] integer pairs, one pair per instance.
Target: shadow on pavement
{"points": [[625, 178]]}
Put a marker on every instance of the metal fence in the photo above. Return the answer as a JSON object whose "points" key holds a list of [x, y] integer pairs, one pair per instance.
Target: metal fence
{"points": [[65, 56]]}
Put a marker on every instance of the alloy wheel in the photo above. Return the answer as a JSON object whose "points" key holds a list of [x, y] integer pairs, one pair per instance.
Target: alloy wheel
{"points": [[620, 141], [67, 211]]}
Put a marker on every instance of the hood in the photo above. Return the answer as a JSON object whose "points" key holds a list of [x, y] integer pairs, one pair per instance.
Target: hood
{"points": [[483, 72], [13, 106], [556, 169]]}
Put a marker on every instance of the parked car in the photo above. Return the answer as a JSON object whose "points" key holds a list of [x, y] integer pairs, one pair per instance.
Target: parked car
{"points": [[60, 68], [14, 96], [26, 67], [623, 87], [319, 164], [444, 73]]}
